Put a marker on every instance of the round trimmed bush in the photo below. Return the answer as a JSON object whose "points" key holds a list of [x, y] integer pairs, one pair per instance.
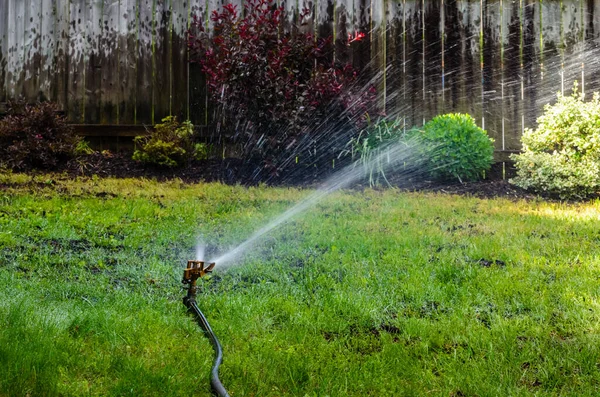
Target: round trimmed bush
{"points": [[454, 147], [562, 155]]}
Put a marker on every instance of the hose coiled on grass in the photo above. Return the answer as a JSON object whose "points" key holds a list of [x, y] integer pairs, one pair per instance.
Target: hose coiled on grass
{"points": [[215, 382]]}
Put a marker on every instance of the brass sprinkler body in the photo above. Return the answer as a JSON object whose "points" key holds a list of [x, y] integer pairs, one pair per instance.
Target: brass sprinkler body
{"points": [[195, 270]]}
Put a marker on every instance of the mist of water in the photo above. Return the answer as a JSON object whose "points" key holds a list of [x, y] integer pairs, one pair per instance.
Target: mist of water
{"points": [[392, 157], [200, 251]]}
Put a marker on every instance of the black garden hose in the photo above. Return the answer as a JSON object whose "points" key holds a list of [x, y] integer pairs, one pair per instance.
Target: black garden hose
{"points": [[215, 382]]}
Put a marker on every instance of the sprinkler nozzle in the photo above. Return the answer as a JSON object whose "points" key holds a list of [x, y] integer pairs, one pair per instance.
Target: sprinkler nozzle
{"points": [[195, 270]]}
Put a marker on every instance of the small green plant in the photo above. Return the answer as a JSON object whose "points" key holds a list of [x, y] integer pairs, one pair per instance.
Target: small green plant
{"points": [[83, 148], [370, 145], [169, 145], [562, 155], [36, 136], [454, 147]]}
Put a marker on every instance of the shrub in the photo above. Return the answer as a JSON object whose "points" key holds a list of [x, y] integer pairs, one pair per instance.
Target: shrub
{"points": [[370, 146], [169, 145], [36, 136], [562, 155], [453, 147], [277, 87]]}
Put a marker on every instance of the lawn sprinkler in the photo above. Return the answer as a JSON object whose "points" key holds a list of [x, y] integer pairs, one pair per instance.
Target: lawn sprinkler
{"points": [[195, 270]]}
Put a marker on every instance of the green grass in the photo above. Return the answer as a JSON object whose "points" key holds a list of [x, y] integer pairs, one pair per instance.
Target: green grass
{"points": [[379, 293]]}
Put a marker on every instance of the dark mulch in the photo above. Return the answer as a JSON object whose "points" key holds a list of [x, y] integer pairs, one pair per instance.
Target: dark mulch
{"points": [[237, 171]]}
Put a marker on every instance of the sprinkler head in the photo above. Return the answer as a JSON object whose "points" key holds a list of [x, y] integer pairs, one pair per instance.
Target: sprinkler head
{"points": [[195, 270]]}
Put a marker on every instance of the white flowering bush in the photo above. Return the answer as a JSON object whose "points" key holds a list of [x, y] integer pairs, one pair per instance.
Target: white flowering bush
{"points": [[562, 155]]}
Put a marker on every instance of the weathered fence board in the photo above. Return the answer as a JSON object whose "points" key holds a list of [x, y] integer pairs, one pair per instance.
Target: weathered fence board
{"points": [[128, 51], [109, 62], [61, 66], [161, 60], [47, 50], [93, 66], [179, 60], [196, 82], [126, 61], [491, 35], [76, 60], [3, 49], [144, 103], [432, 58]]}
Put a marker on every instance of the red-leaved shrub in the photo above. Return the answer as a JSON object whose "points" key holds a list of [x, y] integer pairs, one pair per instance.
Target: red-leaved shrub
{"points": [[276, 86], [36, 136]]}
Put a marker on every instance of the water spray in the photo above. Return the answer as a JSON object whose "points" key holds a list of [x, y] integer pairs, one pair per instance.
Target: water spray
{"points": [[197, 269]]}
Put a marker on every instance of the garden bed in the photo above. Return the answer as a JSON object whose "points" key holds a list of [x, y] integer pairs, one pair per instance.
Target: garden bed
{"points": [[237, 171]]}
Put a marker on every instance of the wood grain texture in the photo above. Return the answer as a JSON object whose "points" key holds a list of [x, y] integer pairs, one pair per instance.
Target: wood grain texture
{"points": [[126, 61], [3, 49], [109, 62], [144, 76], [76, 61], [179, 106], [128, 50]]}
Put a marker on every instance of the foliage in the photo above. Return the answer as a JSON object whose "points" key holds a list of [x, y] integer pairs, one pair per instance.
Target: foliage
{"points": [[379, 293], [277, 87], [454, 147], [370, 146], [83, 148], [562, 155], [36, 136], [169, 145]]}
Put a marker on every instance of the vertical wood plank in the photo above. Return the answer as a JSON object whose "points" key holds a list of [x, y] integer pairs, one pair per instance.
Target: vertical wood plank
{"points": [[3, 48], [161, 55], [414, 61], [473, 59], [61, 67], [77, 61], [343, 27], [93, 66], [143, 114], [179, 60], [454, 93], [492, 71], [377, 52], [432, 58], [512, 74], [47, 50], [31, 63], [573, 41], [16, 40], [550, 48], [592, 37], [361, 49], [109, 62], [128, 52], [324, 21], [197, 83], [394, 50], [531, 72]]}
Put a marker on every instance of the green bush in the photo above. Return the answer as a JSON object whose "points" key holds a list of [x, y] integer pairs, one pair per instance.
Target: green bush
{"points": [[453, 147], [562, 155], [170, 144], [36, 136]]}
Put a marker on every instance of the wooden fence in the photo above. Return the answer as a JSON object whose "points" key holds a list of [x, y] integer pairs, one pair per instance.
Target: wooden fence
{"points": [[125, 62]]}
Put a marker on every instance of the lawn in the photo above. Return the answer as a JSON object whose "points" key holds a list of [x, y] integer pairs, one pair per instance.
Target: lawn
{"points": [[374, 292]]}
